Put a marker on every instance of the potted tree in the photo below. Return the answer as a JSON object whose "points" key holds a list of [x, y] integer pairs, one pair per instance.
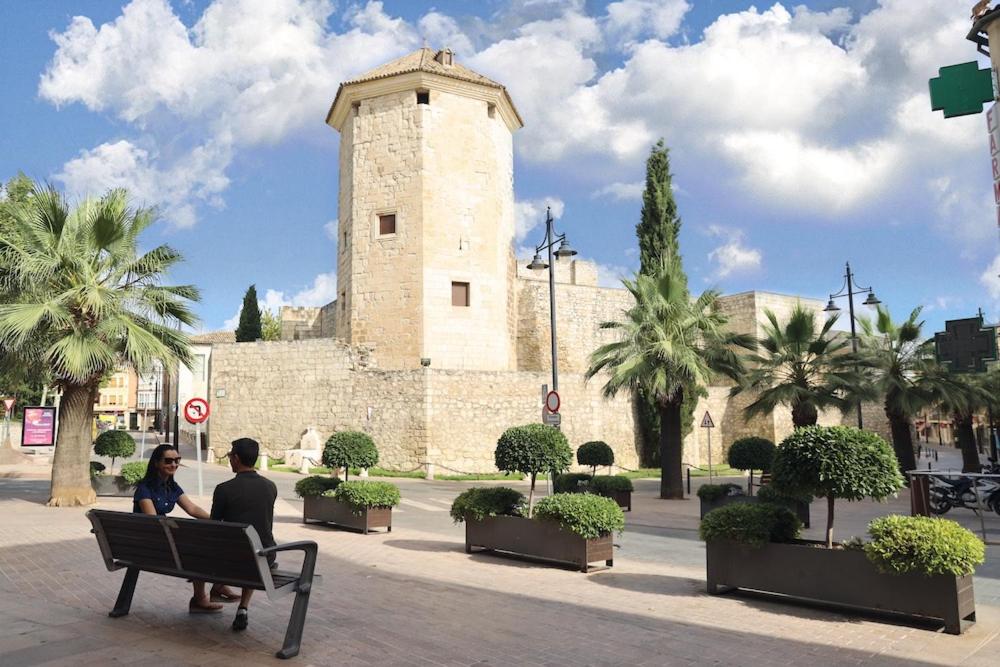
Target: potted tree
{"points": [[713, 496], [122, 484], [114, 445], [358, 505], [595, 453], [617, 487], [749, 454], [570, 528], [917, 568], [532, 449]]}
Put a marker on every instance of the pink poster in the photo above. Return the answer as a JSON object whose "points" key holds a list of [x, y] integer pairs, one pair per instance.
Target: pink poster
{"points": [[39, 427]]}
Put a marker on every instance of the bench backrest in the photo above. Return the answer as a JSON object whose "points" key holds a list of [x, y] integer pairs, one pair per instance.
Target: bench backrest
{"points": [[216, 551]]}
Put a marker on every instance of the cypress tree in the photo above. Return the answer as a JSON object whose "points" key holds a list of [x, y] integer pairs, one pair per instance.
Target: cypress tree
{"points": [[249, 328], [658, 233]]}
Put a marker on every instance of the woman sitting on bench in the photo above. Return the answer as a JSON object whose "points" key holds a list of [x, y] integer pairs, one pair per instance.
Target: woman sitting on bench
{"points": [[157, 493]]}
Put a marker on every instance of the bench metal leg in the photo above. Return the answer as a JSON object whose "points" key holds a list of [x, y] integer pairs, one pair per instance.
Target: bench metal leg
{"points": [[297, 621], [124, 601]]}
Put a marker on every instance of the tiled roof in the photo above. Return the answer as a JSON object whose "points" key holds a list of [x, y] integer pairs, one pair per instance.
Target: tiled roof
{"points": [[214, 337], [422, 60]]}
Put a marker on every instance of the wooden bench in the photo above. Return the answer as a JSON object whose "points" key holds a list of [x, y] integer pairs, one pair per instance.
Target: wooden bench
{"points": [[212, 551]]}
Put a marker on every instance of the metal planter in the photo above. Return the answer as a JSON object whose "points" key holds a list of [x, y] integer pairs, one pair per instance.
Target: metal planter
{"points": [[545, 540], [709, 505], [331, 510], [844, 577], [623, 498], [112, 485]]}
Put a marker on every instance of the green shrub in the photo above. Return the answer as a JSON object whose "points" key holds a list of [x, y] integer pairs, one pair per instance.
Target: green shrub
{"points": [[605, 484], [769, 494], [836, 462], [486, 501], [133, 472], [114, 444], [754, 524], [532, 449], [587, 515], [569, 482], [350, 449], [751, 453], [902, 544], [96, 468], [363, 494], [315, 485], [712, 492], [595, 453]]}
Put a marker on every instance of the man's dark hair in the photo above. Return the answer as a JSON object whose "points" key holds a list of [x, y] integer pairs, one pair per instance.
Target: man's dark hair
{"points": [[246, 450]]}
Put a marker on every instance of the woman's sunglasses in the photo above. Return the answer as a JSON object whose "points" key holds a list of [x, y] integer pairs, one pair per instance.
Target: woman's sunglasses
{"points": [[170, 462]]}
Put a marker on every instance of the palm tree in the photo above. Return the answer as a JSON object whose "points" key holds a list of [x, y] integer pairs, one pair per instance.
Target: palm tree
{"points": [[901, 368], [963, 396], [799, 367], [665, 343], [92, 303]]}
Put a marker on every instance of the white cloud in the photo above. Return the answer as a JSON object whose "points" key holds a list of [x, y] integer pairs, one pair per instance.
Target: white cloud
{"points": [[530, 213], [990, 279], [629, 19], [331, 229], [442, 31], [621, 191], [733, 256], [610, 275], [322, 291]]}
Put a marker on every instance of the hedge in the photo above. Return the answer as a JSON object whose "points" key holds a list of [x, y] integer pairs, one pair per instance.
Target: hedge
{"points": [[585, 514], [902, 544], [316, 485], [364, 494], [133, 472], [570, 482], [604, 484], [711, 492], [485, 501], [754, 524]]}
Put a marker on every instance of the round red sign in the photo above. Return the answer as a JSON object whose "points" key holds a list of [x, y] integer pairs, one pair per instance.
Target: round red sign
{"points": [[552, 402], [196, 410]]}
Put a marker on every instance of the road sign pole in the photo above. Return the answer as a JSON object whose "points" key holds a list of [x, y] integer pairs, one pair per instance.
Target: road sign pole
{"points": [[197, 454], [709, 455]]}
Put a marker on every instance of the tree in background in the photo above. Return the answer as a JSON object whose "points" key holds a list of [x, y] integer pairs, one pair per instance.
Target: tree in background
{"points": [[658, 235], [270, 326], [249, 328], [88, 302]]}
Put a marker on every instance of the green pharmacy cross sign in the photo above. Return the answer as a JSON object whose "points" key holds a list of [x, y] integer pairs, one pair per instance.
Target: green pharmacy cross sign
{"points": [[966, 345], [960, 90]]}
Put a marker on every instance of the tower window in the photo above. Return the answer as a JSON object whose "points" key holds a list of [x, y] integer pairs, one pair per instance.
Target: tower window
{"points": [[387, 224], [460, 294], [491, 110], [423, 97]]}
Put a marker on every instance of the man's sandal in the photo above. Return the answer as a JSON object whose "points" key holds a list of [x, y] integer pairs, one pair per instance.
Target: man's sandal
{"points": [[222, 596], [210, 608]]}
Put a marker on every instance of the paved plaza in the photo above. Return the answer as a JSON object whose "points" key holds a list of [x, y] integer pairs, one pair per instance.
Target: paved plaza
{"points": [[413, 597]]}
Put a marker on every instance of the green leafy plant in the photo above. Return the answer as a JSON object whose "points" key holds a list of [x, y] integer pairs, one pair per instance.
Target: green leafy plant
{"points": [[836, 462], [769, 494], [754, 524], [133, 472], [532, 449], [315, 485], [363, 494], [96, 468], [587, 515], [114, 444], [751, 453], [903, 544], [595, 453], [486, 501], [570, 482], [605, 484], [350, 449], [712, 492]]}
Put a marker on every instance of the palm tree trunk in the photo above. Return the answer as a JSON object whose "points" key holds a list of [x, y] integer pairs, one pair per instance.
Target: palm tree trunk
{"points": [[804, 414], [671, 446], [902, 440], [71, 466], [967, 442]]}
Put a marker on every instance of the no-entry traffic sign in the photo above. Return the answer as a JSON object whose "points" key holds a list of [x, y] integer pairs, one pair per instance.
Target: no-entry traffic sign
{"points": [[196, 410], [552, 402]]}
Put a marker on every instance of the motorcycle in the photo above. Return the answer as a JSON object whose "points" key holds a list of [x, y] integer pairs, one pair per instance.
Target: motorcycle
{"points": [[948, 492]]}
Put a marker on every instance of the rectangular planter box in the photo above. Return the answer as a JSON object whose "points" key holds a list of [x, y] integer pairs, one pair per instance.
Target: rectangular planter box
{"points": [[331, 510], [623, 498], [537, 539], [840, 577], [799, 509], [112, 485]]}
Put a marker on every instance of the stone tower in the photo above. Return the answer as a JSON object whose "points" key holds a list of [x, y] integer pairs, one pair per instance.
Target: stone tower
{"points": [[425, 265]]}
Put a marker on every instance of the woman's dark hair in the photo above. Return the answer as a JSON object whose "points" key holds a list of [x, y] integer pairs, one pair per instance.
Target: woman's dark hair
{"points": [[152, 474]]}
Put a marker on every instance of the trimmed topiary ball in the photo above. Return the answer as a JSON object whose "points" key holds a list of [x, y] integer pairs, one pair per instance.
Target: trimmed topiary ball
{"points": [[114, 444], [751, 453], [930, 546], [350, 449], [585, 514], [595, 453], [531, 449]]}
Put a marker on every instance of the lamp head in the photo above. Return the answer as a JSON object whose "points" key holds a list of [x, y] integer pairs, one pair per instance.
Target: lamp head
{"points": [[537, 264], [565, 250], [871, 300], [831, 307]]}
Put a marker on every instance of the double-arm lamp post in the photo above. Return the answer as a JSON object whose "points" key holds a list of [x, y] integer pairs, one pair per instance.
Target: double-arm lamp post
{"points": [[551, 238], [849, 291]]}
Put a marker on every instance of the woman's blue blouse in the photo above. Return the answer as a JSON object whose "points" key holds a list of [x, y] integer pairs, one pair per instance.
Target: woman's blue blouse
{"points": [[163, 494]]}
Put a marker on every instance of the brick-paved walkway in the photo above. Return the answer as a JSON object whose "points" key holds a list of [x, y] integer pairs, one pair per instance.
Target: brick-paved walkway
{"points": [[415, 598]]}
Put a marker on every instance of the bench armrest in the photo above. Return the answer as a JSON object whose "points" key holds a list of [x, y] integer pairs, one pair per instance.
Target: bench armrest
{"points": [[310, 550]]}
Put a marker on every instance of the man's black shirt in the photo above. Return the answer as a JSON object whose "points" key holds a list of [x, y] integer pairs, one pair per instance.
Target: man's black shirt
{"points": [[247, 498]]}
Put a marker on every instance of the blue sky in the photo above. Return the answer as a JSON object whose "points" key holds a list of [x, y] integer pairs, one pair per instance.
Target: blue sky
{"points": [[801, 134]]}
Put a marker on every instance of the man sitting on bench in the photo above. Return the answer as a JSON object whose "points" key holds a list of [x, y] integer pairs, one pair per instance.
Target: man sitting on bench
{"points": [[247, 498]]}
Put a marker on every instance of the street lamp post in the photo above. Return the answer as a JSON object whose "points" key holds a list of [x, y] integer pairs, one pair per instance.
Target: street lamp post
{"points": [[849, 291], [551, 238]]}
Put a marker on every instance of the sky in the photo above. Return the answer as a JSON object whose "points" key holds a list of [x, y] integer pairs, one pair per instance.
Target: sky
{"points": [[801, 135]]}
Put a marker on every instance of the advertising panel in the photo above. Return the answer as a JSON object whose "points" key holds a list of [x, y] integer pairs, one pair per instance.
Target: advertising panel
{"points": [[39, 427]]}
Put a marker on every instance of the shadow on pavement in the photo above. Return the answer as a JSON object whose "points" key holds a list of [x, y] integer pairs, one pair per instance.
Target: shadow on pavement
{"points": [[434, 546]]}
